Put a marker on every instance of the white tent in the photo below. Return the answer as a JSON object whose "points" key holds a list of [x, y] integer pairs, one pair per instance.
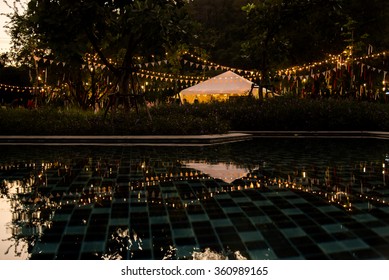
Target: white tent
{"points": [[220, 87], [228, 172]]}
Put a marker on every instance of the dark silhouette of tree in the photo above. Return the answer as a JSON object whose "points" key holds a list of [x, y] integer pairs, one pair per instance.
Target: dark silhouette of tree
{"points": [[286, 32], [119, 33]]}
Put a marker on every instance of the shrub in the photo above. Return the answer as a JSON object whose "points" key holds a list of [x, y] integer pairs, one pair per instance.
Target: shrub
{"points": [[282, 113]]}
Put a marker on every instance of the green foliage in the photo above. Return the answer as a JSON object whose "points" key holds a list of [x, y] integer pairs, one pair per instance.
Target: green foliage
{"points": [[284, 32], [371, 22], [288, 113], [117, 33], [169, 120], [283, 114], [220, 29], [17, 76]]}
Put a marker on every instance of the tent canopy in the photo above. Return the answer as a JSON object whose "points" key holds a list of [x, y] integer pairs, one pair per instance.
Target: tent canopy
{"points": [[228, 172], [220, 87]]}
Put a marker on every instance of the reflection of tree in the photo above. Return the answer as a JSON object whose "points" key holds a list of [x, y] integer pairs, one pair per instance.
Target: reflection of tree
{"points": [[122, 241], [208, 254], [31, 213]]}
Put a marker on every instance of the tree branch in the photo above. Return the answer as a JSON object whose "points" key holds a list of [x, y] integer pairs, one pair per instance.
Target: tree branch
{"points": [[97, 49]]}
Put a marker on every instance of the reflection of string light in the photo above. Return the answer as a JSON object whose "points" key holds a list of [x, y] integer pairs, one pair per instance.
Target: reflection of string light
{"points": [[99, 194]]}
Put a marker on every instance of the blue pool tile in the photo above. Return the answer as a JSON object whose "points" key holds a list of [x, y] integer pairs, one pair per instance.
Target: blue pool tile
{"points": [[293, 232], [251, 236], [381, 231], [364, 218], [47, 248], [265, 254], [93, 246], [332, 247], [261, 203], [354, 244], [334, 228], [292, 211], [197, 218], [221, 222], [185, 232], [261, 219], [75, 230]]}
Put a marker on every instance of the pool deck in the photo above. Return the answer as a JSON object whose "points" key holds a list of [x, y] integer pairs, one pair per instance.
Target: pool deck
{"points": [[317, 134], [212, 139], [126, 140]]}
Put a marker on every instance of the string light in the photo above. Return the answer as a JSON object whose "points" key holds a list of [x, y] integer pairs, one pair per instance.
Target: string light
{"points": [[204, 64], [21, 88]]}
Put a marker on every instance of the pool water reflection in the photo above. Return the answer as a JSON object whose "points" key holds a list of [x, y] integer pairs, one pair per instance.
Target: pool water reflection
{"points": [[261, 199]]}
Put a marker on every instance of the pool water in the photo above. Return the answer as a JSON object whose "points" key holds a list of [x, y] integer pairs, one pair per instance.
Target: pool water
{"points": [[259, 199]]}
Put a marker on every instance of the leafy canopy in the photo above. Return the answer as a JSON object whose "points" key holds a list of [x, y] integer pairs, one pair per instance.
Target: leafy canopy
{"points": [[121, 30]]}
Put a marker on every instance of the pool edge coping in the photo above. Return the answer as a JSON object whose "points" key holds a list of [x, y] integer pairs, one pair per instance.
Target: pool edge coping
{"points": [[318, 134], [208, 139], [205, 139]]}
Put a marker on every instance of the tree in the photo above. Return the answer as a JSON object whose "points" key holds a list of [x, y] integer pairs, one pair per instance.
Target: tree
{"points": [[283, 32], [3, 60], [16, 81], [369, 22], [121, 33], [221, 29]]}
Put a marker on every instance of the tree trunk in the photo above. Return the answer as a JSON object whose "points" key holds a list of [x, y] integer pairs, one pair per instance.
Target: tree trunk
{"points": [[124, 89]]}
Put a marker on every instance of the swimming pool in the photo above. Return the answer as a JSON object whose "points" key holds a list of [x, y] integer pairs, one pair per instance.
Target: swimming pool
{"points": [[259, 199]]}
